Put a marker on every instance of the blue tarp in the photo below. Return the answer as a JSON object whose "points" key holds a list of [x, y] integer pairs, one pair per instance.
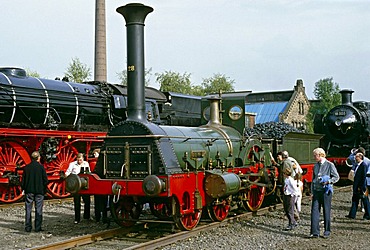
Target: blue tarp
{"points": [[266, 112]]}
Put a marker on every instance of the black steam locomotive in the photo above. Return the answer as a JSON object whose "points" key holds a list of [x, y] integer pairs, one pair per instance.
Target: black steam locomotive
{"points": [[345, 126]]}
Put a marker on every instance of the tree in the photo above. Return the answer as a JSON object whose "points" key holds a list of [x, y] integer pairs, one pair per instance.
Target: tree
{"points": [[174, 81], [77, 71], [32, 73], [122, 76], [218, 82], [327, 93]]}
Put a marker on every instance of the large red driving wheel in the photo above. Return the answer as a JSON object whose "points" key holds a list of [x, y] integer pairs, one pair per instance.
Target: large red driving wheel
{"points": [[256, 195], [162, 211], [12, 154], [219, 211], [57, 188], [126, 211], [187, 219]]}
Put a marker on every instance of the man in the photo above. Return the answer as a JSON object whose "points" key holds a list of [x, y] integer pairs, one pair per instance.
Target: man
{"points": [[321, 198], [359, 188], [76, 167], [34, 181]]}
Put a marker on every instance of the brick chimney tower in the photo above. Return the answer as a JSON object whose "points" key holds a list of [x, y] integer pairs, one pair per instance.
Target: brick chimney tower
{"points": [[100, 69]]}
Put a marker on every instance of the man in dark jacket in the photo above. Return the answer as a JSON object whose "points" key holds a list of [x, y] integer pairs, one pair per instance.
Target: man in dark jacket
{"points": [[34, 181]]}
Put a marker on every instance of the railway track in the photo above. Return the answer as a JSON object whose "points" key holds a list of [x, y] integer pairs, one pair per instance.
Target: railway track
{"points": [[146, 234]]}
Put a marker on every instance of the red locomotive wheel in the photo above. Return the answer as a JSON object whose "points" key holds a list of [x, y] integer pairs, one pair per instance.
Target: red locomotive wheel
{"points": [[218, 212], [186, 220], [125, 212], [57, 188], [255, 199], [162, 211], [11, 155]]}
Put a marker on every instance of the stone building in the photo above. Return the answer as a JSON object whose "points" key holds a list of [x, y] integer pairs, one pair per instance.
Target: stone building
{"points": [[290, 106]]}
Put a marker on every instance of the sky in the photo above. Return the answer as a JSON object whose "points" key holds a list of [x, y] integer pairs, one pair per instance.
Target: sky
{"points": [[263, 45]]}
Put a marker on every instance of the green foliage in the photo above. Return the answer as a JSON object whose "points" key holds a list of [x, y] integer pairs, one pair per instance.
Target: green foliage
{"points": [[327, 94], [181, 83], [218, 82], [174, 82], [77, 71], [122, 76], [32, 73]]}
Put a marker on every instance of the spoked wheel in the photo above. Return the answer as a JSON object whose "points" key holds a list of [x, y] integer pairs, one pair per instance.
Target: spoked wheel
{"points": [[57, 188], [184, 218], [255, 197], [12, 154], [162, 211], [219, 210], [125, 212]]}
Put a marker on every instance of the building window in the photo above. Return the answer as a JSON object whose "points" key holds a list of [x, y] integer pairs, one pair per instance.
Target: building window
{"points": [[301, 108]]}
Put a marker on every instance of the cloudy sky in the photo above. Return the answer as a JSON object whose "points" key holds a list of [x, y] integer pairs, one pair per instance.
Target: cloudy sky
{"points": [[261, 44]]}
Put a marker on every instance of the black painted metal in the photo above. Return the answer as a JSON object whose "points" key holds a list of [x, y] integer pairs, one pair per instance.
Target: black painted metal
{"points": [[135, 15]]}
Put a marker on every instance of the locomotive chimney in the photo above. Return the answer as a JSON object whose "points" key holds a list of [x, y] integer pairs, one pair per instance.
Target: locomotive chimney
{"points": [[214, 112], [346, 96], [135, 15]]}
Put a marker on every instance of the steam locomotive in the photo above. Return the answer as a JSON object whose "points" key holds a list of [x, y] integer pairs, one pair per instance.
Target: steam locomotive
{"points": [[345, 126], [57, 118], [180, 171]]}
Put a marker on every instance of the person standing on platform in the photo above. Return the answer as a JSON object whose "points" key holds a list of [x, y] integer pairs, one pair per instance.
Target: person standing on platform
{"points": [[34, 182], [76, 167]]}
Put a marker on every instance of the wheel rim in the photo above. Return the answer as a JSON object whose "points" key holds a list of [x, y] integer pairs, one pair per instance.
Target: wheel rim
{"points": [[255, 197], [11, 155], [184, 219], [219, 212], [57, 188], [161, 210], [125, 212]]}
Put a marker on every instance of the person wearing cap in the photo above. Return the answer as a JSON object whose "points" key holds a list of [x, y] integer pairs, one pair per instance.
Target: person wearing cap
{"points": [[34, 183]]}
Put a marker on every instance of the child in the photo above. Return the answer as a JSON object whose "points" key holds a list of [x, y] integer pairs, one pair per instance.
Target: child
{"points": [[291, 191]]}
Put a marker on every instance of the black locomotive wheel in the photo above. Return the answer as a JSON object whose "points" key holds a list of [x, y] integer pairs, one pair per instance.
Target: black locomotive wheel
{"points": [[57, 188], [186, 220], [219, 211], [125, 212], [12, 154], [162, 211]]}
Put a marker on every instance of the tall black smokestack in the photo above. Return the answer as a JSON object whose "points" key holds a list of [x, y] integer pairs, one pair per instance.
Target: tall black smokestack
{"points": [[135, 15], [346, 96]]}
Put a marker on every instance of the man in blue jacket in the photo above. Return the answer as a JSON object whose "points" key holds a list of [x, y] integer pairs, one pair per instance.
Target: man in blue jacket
{"points": [[34, 181]]}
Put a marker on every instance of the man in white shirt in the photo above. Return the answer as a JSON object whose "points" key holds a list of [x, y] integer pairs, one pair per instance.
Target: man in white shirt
{"points": [[76, 167]]}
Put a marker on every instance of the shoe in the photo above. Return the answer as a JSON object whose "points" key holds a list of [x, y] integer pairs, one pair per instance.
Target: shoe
{"points": [[326, 235], [312, 236], [28, 230], [366, 218], [289, 228], [76, 222], [349, 217], [39, 230]]}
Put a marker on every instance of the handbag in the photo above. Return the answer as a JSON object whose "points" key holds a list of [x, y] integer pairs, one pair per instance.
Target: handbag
{"points": [[351, 175]]}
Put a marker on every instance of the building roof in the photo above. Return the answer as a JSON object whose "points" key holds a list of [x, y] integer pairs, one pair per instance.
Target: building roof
{"points": [[266, 111]]}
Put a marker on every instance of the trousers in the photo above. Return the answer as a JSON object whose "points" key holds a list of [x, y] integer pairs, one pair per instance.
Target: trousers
{"points": [[77, 206], [38, 199], [320, 199]]}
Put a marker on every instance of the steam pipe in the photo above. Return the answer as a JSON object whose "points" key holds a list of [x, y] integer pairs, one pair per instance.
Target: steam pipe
{"points": [[135, 15]]}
